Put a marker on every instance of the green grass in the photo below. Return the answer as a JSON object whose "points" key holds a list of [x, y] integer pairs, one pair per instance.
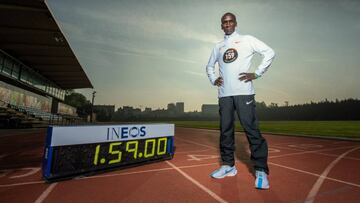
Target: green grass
{"points": [[347, 129]]}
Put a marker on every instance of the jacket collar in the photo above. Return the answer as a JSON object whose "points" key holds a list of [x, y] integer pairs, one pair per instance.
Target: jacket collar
{"points": [[231, 36]]}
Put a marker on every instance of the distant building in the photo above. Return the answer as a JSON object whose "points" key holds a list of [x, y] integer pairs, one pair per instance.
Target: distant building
{"points": [[137, 112], [286, 103], [104, 112], [210, 109], [158, 113], [110, 109], [179, 107], [171, 109], [147, 110], [129, 111], [126, 110]]}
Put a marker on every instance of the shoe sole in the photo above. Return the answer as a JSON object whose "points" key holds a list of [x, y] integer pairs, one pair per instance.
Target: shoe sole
{"points": [[227, 174], [262, 188]]}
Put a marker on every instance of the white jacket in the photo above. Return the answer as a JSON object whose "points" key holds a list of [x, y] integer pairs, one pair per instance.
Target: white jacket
{"points": [[234, 55]]}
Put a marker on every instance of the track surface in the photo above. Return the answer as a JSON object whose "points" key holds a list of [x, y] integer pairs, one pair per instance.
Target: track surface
{"points": [[301, 170]]}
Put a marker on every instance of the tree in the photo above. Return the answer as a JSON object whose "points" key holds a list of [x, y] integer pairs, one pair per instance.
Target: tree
{"points": [[78, 101]]}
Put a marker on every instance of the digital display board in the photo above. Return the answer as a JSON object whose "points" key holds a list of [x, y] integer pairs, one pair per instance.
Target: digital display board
{"points": [[76, 150]]}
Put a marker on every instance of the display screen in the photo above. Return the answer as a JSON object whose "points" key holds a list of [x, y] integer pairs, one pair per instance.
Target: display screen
{"points": [[67, 160], [90, 157]]}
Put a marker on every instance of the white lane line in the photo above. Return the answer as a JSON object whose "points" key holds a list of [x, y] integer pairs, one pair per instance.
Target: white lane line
{"points": [[185, 152], [145, 171], [333, 155], [46, 193], [211, 193], [284, 143], [127, 173], [200, 157], [311, 151], [273, 150], [301, 150], [211, 147], [4, 172], [314, 174], [110, 175], [32, 170], [306, 172], [277, 156], [305, 146], [193, 158], [192, 166], [23, 183], [289, 148], [316, 187]]}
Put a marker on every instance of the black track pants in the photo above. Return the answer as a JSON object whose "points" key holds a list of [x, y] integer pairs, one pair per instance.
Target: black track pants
{"points": [[244, 105]]}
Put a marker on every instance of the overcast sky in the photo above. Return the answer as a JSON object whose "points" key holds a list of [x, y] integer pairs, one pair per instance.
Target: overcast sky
{"points": [[151, 53]]}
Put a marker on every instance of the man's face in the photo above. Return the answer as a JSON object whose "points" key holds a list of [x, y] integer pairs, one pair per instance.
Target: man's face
{"points": [[228, 24]]}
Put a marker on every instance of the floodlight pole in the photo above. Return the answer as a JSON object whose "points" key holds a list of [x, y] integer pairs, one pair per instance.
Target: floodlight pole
{"points": [[92, 106]]}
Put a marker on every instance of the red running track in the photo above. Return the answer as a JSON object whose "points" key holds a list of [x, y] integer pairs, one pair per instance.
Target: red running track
{"points": [[301, 170]]}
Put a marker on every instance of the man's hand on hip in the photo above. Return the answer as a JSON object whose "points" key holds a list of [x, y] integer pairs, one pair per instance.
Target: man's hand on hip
{"points": [[219, 81], [247, 77]]}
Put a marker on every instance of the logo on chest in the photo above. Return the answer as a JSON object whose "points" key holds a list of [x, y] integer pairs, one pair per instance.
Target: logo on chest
{"points": [[230, 55]]}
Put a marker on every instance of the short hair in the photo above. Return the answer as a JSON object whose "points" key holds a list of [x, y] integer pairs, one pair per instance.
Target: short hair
{"points": [[228, 14]]}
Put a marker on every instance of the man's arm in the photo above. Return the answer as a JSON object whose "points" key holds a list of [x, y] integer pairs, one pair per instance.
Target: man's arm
{"points": [[267, 53], [210, 69]]}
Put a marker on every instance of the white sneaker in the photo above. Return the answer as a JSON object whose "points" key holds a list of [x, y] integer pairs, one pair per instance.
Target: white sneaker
{"points": [[224, 171], [261, 181]]}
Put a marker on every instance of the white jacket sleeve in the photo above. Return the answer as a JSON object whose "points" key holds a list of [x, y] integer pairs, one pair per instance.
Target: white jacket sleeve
{"points": [[266, 52], [210, 68]]}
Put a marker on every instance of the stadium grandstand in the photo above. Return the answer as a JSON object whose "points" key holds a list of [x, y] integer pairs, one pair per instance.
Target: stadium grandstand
{"points": [[37, 66]]}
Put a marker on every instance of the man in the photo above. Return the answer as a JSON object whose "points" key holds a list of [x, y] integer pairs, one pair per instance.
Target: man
{"points": [[236, 93]]}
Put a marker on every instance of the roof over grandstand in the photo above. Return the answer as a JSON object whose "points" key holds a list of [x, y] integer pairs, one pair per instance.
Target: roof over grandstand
{"points": [[29, 32]]}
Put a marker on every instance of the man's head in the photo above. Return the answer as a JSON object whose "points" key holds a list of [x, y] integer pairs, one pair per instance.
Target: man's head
{"points": [[228, 23]]}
